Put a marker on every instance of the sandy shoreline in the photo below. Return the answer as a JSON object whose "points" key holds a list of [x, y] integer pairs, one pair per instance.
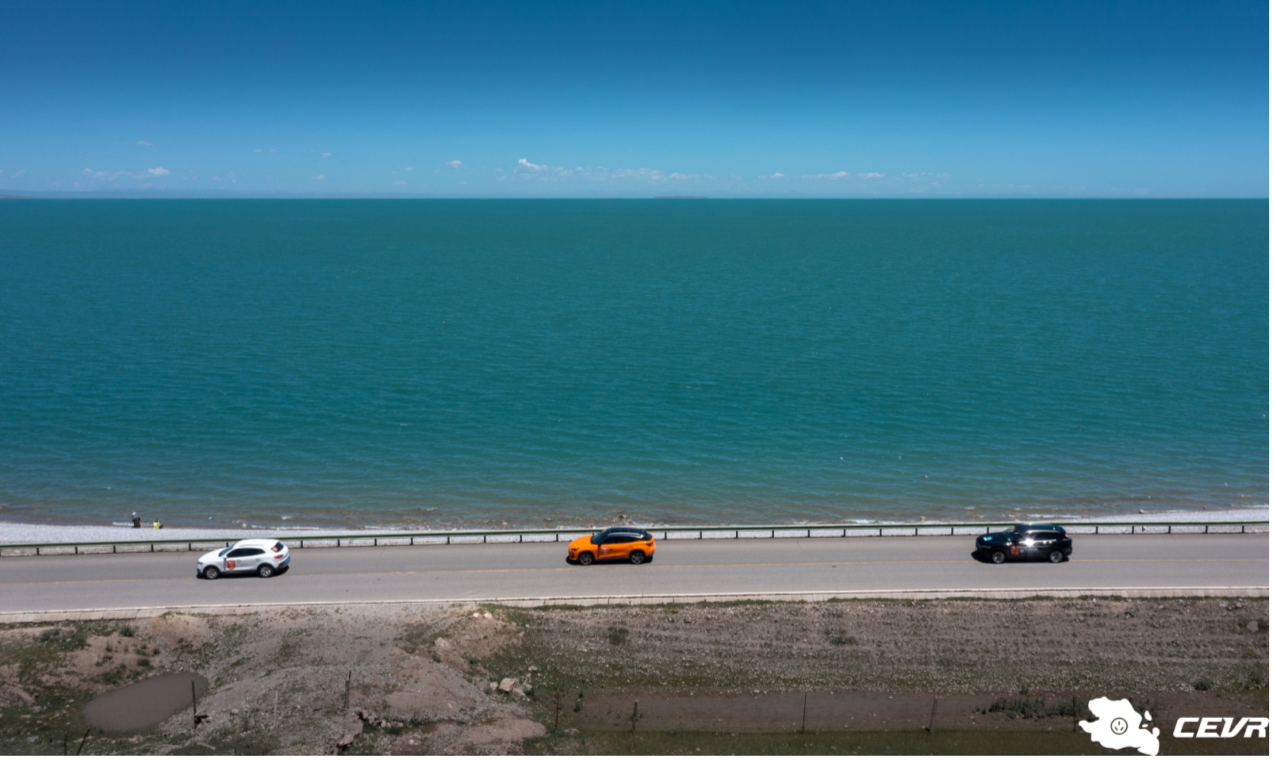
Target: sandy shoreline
{"points": [[13, 533]]}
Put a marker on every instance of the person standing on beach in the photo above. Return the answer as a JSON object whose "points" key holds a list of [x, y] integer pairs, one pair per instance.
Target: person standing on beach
{"points": [[137, 521]]}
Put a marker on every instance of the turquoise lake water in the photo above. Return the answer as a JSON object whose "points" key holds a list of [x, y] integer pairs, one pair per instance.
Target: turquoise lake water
{"points": [[445, 363]]}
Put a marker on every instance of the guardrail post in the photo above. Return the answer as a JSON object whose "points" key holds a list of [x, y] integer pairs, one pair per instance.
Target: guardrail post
{"points": [[448, 540], [917, 531], [375, 542], [882, 532], [700, 535], [338, 543], [1170, 530], [1205, 529]]}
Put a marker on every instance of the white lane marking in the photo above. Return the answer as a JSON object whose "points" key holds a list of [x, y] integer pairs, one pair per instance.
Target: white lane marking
{"points": [[645, 568], [1133, 591]]}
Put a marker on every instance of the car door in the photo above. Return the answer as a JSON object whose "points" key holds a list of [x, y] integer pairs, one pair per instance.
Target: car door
{"points": [[1049, 540], [605, 545], [252, 559], [1039, 543], [623, 545], [236, 560], [1016, 545]]}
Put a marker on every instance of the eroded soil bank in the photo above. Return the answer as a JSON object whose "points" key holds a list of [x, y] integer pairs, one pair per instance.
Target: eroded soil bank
{"points": [[865, 676]]}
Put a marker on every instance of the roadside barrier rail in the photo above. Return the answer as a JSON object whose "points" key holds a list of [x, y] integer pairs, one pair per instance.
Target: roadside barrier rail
{"points": [[663, 533]]}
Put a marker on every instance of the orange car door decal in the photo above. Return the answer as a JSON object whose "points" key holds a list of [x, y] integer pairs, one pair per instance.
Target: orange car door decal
{"points": [[229, 564]]}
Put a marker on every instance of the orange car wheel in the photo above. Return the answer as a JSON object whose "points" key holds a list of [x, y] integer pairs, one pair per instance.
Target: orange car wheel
{"points": [[636, 558], [586, 558]]}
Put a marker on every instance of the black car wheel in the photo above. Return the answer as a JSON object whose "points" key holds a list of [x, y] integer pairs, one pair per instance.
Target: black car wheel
{"points": [[1056, 556], [211, 573], [586, 559], [265, 571], [997, 558], [636, 558]]}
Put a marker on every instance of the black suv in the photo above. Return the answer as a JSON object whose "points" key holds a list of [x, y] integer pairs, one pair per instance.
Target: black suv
{"points": [[1025, 541]]}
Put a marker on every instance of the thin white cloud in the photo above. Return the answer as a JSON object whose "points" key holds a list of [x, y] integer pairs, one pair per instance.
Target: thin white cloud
{"points": [[145, 142], [90, 174], [400, 182], [837, 175], [775, 175], [19, 173], [528, 171], [457, 164], [319, 177], [256, 150], [410, 169], [327, 155], [871, 175]]}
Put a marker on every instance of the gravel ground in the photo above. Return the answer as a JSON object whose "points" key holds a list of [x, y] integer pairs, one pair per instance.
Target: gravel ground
{"points": [[946, 646], [421, 678]]}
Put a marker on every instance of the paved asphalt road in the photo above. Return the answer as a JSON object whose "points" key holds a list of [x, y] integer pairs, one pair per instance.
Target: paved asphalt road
{"points": [[30, 584]]}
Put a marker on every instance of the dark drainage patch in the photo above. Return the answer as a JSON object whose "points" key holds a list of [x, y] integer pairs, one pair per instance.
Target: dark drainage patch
{"points": [[145, 703]]}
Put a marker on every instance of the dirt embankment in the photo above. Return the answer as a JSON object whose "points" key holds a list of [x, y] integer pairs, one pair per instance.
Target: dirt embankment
{"points": [[487, 680]]}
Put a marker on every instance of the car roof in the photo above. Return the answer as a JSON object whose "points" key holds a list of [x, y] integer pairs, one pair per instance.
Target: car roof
{"points": [[256, 542], [1037, 526]]}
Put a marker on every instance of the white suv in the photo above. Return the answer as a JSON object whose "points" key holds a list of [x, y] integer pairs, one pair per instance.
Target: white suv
{"points": [[263, 556]]}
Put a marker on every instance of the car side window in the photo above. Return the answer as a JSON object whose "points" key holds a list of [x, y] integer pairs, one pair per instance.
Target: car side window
{"points": [[238, 553], [254, 552]]}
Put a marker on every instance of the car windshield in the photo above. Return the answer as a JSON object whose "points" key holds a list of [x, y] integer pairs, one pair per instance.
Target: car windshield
{"points": [[224, 552]]}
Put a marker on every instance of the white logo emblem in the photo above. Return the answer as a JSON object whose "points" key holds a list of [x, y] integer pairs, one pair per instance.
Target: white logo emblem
{"points": [[1118, 726]]}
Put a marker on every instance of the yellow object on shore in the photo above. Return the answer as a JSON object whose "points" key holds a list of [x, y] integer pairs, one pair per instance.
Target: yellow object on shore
{"points": [[158, 525]]}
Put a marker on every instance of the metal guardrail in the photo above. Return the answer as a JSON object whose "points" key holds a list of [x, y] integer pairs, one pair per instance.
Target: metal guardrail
{"points": [[670, 532]]}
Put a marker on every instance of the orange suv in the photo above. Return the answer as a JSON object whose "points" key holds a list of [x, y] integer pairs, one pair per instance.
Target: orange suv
{"points": [[632, 544]]}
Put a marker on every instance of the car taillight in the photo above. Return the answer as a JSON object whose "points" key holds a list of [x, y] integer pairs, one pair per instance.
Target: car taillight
{"points": [[278, 556], [1066, 535]]}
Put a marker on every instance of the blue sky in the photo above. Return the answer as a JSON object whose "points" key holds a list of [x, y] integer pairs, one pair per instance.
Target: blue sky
{"points": [[635, 99]]}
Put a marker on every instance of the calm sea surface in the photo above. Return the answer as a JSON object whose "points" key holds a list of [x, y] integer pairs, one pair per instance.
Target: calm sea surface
{"points": [[384, 363]]}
